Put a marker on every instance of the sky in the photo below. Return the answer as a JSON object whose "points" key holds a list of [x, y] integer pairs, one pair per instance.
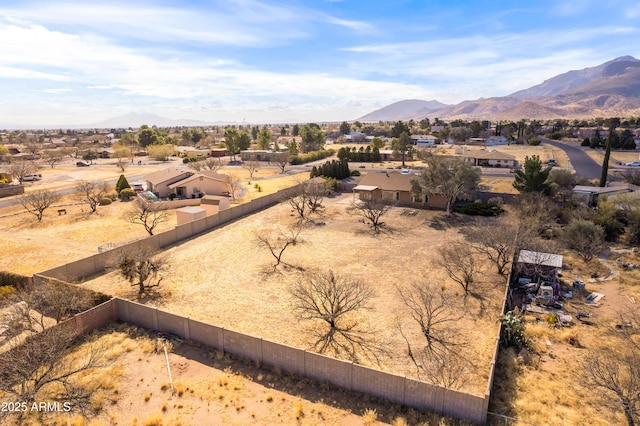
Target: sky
{"points": [[73, 62]]}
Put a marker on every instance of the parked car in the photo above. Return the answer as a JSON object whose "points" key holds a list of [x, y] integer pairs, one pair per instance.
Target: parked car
{"points": [[137, 187], [82, 164], [634, 164], [32, 177]]}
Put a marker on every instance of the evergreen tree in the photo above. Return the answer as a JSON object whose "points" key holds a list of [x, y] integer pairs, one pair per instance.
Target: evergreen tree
{"points": [[533, 178], [314, 172], [122, 184], [375, 155]]}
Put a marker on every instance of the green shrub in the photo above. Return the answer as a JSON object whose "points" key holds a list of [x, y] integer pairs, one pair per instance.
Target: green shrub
{"points": [[127, 194], [309, 157], [105, 201], [171, 196], [479, 209], [355, 173]]}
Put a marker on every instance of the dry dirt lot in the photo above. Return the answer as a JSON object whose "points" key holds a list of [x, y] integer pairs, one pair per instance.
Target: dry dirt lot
{"points": [[212, 388], [225, 279]]}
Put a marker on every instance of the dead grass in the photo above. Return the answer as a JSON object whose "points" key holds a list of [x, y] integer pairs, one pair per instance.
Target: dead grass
{"points": [[252, 395], [261, 302]]}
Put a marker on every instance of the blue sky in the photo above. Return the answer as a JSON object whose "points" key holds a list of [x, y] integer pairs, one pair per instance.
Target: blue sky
{"points": [[77, 62]]}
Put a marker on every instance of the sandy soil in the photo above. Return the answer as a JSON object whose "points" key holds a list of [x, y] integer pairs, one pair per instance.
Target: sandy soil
{"points": [[224, 278], [212, 388]]}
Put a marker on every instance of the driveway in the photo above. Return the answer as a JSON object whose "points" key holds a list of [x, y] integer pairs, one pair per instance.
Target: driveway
{"points": [[584, 165]]}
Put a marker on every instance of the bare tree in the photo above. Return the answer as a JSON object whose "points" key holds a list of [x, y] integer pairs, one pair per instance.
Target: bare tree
{"points": [[459, 262], [298, 199], [91, 192], [433, 309], [141, 267], [37, 202], [122, 155], [585, 238], [26, 311], [631, 176], [20, 168], [42, 368], [252, 167], [52, 157], [371, 211], [316, 193], [277, 242], [233, 183], [212, 164], [147, 214], [337, 302], [196, 165], [282, 163], [497, 239], [614, 373]]}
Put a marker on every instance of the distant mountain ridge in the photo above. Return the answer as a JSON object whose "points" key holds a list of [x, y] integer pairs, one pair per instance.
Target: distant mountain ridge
{"points": [[609, 89], [136, 119]]}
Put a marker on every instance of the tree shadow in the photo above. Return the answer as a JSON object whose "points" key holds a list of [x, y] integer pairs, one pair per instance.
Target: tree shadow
{"points": [[355, 341]]}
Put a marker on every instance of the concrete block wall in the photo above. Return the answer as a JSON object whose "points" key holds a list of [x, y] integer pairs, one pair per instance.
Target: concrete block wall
{"points": [[344, 374], [96, 317]]}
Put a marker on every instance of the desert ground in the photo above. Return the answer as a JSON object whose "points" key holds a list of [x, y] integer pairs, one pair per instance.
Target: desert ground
{"points": [[225, 279], [210, 387], [60, 238]]}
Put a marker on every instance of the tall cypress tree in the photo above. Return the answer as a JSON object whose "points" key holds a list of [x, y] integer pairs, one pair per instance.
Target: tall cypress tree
{"points": [[613, 123]]}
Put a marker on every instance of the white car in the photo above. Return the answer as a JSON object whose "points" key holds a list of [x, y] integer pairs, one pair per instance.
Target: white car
{"points": [[32, 177], [634, 164]]}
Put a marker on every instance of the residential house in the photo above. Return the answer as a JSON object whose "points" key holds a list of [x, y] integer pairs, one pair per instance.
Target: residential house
{"points": [[395, 187], [496, 140], [200, 184], [616, 191], [158, 182], [491, 158], [264, 155]]}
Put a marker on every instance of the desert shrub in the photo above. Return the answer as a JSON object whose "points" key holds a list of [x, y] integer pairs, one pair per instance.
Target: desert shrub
{"points": [[585, 142], [127, 194], [172, 196], [113, 195], [6, 291], [355, 173], [105, 201], [479, 209]]}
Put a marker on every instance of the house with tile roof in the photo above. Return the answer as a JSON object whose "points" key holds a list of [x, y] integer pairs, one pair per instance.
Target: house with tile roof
{"points": [[395, 187]]}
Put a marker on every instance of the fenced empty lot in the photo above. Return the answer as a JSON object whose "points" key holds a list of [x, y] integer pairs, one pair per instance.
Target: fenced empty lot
{"points": [[224, 278]]}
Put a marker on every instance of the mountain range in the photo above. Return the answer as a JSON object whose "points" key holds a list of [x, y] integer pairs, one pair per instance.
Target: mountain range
{"points": [[607, 90]]}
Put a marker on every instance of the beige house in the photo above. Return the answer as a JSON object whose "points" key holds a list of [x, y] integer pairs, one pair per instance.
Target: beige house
{"points": [[491, 158], [158, 182], [187, 184], [395, 187], [200, 184]]}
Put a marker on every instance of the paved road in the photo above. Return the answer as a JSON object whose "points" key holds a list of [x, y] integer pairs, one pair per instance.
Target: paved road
{"points": [[14, 201], [584, 165]]}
